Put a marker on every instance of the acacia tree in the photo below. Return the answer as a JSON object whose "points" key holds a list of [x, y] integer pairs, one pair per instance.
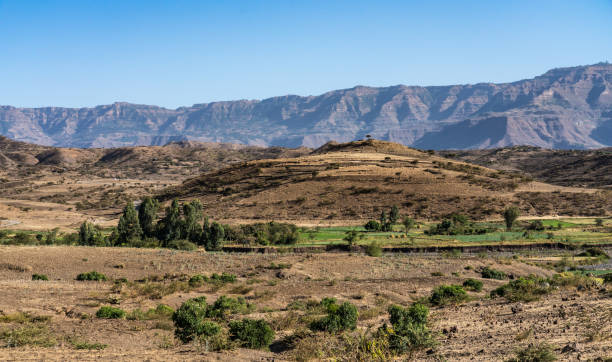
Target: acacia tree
{"points": [[128, 228], [510, 215], [147, 214]]}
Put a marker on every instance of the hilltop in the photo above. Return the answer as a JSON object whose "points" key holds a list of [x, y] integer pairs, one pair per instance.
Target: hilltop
{"points": [[563, 108], [357, 180]]}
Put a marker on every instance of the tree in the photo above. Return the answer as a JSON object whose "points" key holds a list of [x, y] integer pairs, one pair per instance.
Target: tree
{"points": [[510, 215], [408, 223], [191, 224], [215, 236], [147, 214], [351, 237], [169, 228], [394, 215], [128, 228], [383, 218], [89, 235]]}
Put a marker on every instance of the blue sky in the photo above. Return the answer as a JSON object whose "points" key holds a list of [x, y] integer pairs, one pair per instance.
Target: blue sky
{"points": [[175, 53]]}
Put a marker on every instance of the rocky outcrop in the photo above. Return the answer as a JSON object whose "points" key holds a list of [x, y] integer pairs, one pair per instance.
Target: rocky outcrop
{"points": [[563, 108]]}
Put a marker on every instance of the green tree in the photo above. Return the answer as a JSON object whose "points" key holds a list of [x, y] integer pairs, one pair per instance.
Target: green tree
{"points": [[510, 215], [394, 215], [215, 237], [89, 235], [383, 219], [128, 228], [408, 223], [147, 214], [351, 237], [169, 228], [192, 214]]}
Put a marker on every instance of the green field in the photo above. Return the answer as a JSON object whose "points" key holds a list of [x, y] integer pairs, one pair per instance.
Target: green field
{"points": [[571, 231]]}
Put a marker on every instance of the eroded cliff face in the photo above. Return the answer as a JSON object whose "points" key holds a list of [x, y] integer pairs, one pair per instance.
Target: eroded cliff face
{"points": [[563, 108]]}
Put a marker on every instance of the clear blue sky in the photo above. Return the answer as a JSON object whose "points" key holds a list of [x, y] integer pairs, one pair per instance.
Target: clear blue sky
{"points": [[174, 53]]}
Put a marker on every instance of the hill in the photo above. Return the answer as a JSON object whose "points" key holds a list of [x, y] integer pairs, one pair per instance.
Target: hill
{"points": [[587, 168], [357, 180], [563, 108]]}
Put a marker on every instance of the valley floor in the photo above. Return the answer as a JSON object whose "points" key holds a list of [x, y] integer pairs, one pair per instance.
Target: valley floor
{"points": [[576, 322]]}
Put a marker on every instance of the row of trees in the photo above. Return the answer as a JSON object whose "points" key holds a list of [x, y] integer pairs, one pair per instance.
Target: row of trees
{"points": [[385, 223], [180, 222]]}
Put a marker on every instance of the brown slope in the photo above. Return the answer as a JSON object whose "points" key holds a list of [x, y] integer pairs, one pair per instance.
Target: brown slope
{"points": [[585, 168], [359, 179]]}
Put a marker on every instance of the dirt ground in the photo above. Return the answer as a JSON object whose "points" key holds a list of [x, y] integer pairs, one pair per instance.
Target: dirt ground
{"points": [[484, 329]]}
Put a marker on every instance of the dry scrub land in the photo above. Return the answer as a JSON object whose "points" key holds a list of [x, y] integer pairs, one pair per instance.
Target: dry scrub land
{"points": [[575, 320]]}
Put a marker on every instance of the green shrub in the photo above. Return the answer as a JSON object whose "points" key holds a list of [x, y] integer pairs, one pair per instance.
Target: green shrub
{"points": [[409, 332], [272, 233], [472, 284], [523, 289], [92, 275], [197, 280], [39, 277], [223, 278], [108, 312], [448, 294], [607, 278], [535, 353], [489, 273], [224, 306], [374, 249], [189, 319], [182, 245], [254, 334], [372, 225], [339, 317], [162, 311], [594, 253]]}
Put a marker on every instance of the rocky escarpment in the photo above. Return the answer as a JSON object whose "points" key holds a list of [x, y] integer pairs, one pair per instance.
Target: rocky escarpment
{"points": [[563, 108]]}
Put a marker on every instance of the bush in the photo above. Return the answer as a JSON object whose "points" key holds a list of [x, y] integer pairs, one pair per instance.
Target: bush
{"points": [[523, 289], [374, 249], [224, 306], [535, 353], [339, 317], [489, 273], [272, 233], [409, 332], [472, 284], [448, 294], [182, 245], [537, 225], [254, 334], [108, 312], [372, 225], [189, 319], [197, 280], [594, 253], [92, 275], [39, 277], [223, 278]]}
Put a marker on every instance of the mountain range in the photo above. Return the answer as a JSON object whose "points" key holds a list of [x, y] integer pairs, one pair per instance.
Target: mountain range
{"points": [[565, 108]]}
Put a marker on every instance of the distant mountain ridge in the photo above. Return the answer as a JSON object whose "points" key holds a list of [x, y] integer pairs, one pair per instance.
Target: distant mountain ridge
{"points": [[563, 108]]}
